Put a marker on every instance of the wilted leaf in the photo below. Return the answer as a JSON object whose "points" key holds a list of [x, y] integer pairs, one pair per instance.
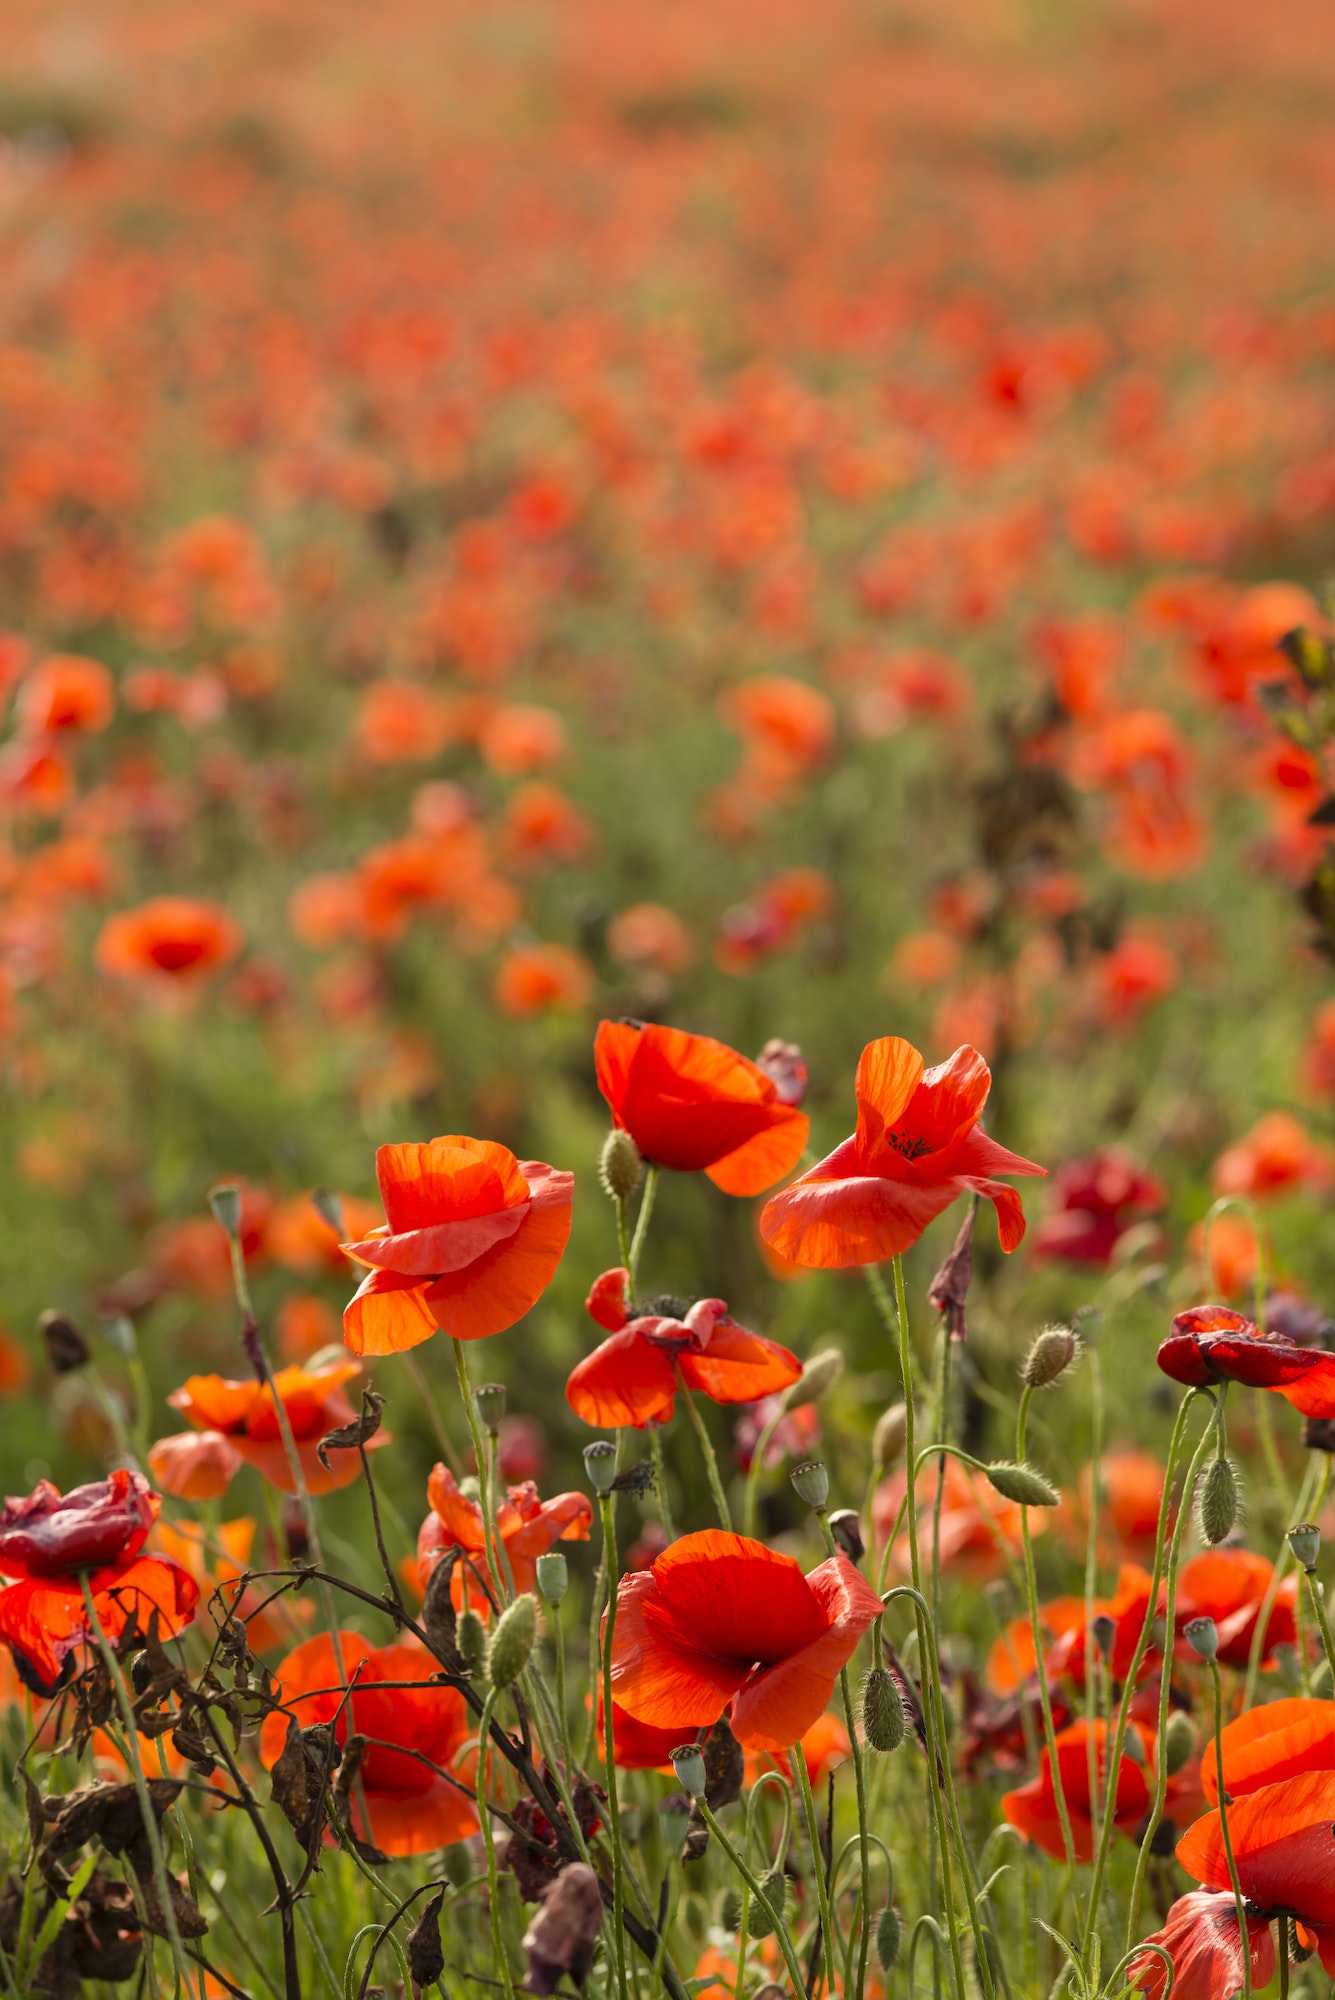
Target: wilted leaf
{"points": [[426, 1955], [359, 1432]]}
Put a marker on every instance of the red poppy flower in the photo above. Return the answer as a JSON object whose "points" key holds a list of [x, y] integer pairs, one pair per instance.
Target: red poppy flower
{"points": [[410, 1808], [1281, 1844], [528, 1526], [245, 1415], [1213, 1344], [1033, 1807], [471, 1243], [1229, 1586], [918, 1147], [1282, 1739], [169, 937], [695, 1105], [1095, 1201], [721, 1619], [1012, 1660], [1130, 1492], [1202, 1938], [633, 1377], [48, 1541], [195, 1465]]}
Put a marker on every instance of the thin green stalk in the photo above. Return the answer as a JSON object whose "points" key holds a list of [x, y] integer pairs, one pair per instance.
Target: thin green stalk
{"points": [[595, 1618], [641, 1226], [1092, 1577], [433, 1410], [489, 1842], [1318, 1600], [1040, 1662], [707, 1451], [1307, 1507], [609, 1744], [859, 1778], [778, 1923], [797, 1759], [751, 1494], [1240, 1901], [660, 1482], [623, 1235], [489, 1535]]}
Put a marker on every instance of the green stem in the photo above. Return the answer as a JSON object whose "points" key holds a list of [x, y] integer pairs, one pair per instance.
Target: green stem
{"points": [[777, 1922], [1318, 1600], [489, 1842], [797, 1759], [707, 1451], [660, 1482], [623, 1236], [1092, 1580], [1307, 1507], [751, 1497], [609, 1743], [641, 1227], [1040, 1661], [489, 1535], [1240, 1901]]}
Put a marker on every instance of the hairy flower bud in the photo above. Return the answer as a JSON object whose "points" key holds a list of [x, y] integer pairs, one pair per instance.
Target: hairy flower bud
{"points": [[621, 1165], [730, 1910], [1305, 1541], [1179, 1741], [818, 1377], [1050, 1356], [774, 1883], [553, 1575], [811, 1482], [490, 1400], [470, 1639], [1202, 1635], [512, 1641], [887, 1938], [600, 1462], [689, 1764], [1022, 1484], [882, 1710], [887, 1440], [1217, 1501]]}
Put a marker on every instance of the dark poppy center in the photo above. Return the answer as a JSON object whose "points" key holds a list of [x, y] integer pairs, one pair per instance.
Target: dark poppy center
{"points": [[176, 954], [909, 1149]]}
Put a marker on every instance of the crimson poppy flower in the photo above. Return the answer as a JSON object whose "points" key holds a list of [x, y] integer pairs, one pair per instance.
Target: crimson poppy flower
{"points": [[409, 1807], [1096, 1199], [1229, 1586], [1033, 1807], [1203, 1940], [168, 938], [918, 1147], [633, 1377], [49, 1541], [721, 1619], [527, 1526], [1211, 1344], [471, 1243], [695, 1105], [1282, 1739], [244, 1413]]}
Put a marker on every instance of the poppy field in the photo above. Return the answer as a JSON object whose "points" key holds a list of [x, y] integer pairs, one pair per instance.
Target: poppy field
{"points": [[667, 999]]}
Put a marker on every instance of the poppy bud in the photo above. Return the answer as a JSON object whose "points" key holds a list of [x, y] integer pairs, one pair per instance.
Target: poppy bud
{"points": [[818, 1376], [675, 1814], [1104, 1629], [1217, 1502], [689, 1765], [66, 1348], [887, 1440], [1202, 1635], [621, 1165], [1179, 1741], [1022, 1484], [553, 1574], [225, 1201], [512, 1641], [847, 1531], [811, 1483], [1133, 1748], [329, 1207], [119, 1330], [1305, 1541], [887, 1937], [470, 1638], [1050, 1356], [882, 1710], [730, 1910], [490, 1401], [600, 1462], [775, 1886]]}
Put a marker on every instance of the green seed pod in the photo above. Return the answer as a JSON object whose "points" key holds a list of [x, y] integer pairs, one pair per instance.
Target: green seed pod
{"points": [[1179, 1741], [600, 1462], [689, 1765], [1217, 1501], [1202, 1635], [225, 1202], [1050, 1356], [882, 1710], [811, 1482], [1305, 1541], [512, 1641], [490, 1400], [1022, 1484], [730, 1910], [887, 1937], [775, 1886], [470, 1639], [553, 1573], [621, 1165]]}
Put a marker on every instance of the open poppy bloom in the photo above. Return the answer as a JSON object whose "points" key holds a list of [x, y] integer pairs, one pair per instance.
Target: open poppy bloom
{"points": [[528, 1527], [721, 1619], [1012, 1662], [1202, 1937], [1033, 1807], [1211, 1344], [169, 937], [49, 1542], [1229, 1586], [1281, 1739], [471, 1242], [633, 1377], [695, 1105], [195, 1465], [917, 1148], [1096, 1199], [244, 1413], [411, 1808], [1281, 1843]]}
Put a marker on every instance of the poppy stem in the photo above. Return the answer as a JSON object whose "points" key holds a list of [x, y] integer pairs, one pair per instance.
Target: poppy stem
{"points": [[609, 1743], [641, 1226], [489, 1841], [1318, 1600], [1040, 1662], [1239, 1899], [489, 1535], [660, 1483], [623, 1235], [152, 1830], [1093, 1681], [707, 1450], [778, 1922], [798, 1762], [1306, 1507], [432, 1407]]}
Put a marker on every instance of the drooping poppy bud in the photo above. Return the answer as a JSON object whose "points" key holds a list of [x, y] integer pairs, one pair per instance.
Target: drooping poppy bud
{"points": [[470, 1638], [818, 1377], [882, 1710], [1022, 1484], [887, 1938], [512, 1641], [888, 1438], [774, 1888], [1218, 1502], [1179, 1742]]}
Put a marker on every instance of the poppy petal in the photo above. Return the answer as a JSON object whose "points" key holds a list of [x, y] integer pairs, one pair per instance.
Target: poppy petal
{"points": [[625, 1380], [889, 1071], [659, 1679], [737, 1366], [1007, 1203], [1263, 1746], [832, 1222], [766, 1158], [1282, 1844], [778, 1705], [449, 1179], [949, 1099], [440, 1246], [507, 1280], [387, 1314]]}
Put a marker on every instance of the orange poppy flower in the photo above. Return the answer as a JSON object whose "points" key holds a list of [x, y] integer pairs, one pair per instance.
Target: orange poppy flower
{"points": [[648, 937], [1276, 1155], [633, 1377], [721, 1619], [409, 1807], [471, 1243], [1032, 1808], [401, 722], [1215, 1344], [1229, 1586], [527, 1525], [1263, 1746], [66, 692], [519, 737], [825, 1746], [195, 1465], [245, 1415], [297, 1235], [169, 937], [1130, 1490], [695, 1105], [918, 1146], [49, 1541], [1203, 1940], [534, 977]]}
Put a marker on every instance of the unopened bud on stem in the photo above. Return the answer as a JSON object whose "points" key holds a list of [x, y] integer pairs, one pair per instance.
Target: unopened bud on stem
{"points": [[882, 1710], [621, 1165], [553, 1574], [887, 1440], [1217, 1502], [817, 1378], [512, 1641], [1050, 1356], [1179, 1742], [1022, 1484], [600, 1462]]}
